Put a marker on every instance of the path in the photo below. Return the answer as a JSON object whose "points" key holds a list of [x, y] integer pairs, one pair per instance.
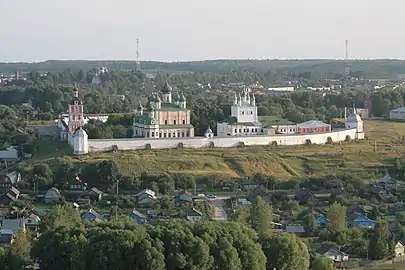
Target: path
{"points": [[219, 208]]}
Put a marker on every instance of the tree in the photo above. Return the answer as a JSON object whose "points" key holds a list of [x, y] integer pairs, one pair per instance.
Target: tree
{"points": [[241, 214], [336, 215], [261, 217], [61, 248], [285, 251], [42, 174], [323, 263], [60, 216], [19, 252], [378, 245], [310, 223]]}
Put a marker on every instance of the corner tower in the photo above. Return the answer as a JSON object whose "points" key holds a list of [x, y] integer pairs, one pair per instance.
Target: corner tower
{"points": [[75, 109]]}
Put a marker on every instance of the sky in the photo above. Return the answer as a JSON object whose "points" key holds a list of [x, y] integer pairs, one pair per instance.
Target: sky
{"points": [[183, 30]]}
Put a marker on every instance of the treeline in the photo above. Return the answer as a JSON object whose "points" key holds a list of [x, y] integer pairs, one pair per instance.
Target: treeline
{"points": [[323, 68], [67, 243]]}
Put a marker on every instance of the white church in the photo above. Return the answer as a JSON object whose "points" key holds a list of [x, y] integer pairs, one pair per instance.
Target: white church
{"points": [[244, 130]]}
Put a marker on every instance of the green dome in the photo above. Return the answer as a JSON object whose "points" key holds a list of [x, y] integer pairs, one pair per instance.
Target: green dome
{"points": [[157, 99], [139, 107], [167, 88], [182, 98]]}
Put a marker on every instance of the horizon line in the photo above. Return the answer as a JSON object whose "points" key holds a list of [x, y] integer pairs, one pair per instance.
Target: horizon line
{"points": [[206, 60]]}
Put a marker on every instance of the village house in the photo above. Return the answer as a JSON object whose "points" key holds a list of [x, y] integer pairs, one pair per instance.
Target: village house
{"points": [[9, 180], [146, 197], [399, 249], [10, 196], [93, 195], [183, 197], [138, 217], [92, 216], [194, 215], [332, 252], [52, 196], [362, 222], [9, 156], [387, 182], [9, 227]]}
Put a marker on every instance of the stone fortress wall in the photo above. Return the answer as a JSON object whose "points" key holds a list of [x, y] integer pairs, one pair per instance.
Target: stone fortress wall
{"points": [[204, 142]]}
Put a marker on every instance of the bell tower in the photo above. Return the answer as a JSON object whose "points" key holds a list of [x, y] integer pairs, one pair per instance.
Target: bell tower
{"points": [[75, 109]]}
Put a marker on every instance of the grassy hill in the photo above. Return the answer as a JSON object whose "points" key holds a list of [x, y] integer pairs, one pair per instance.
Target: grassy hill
{"points": [[284, 162]]}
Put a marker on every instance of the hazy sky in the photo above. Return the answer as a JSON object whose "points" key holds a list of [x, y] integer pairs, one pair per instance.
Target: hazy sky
{"points": [[174, 30]]}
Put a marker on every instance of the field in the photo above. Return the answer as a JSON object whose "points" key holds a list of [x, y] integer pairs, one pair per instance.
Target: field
{"points": [[384, 143]]}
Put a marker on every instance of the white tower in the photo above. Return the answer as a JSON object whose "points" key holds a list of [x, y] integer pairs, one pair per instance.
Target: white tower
{"points": [[80, 142], [253, 100], [235, 101]]}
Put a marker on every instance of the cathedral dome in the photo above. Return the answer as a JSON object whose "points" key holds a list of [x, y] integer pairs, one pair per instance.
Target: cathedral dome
{"points": [[182, 98], [167, 88]]}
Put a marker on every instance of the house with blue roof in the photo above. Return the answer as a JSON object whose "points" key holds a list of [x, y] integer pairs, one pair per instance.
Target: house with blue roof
{"points": [[92, 217], [138, 217], [363, 222], [321, 221]]}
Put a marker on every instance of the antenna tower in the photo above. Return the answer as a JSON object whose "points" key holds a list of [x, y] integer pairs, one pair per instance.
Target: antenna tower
{"points": [[138, 63], [347, 68]]}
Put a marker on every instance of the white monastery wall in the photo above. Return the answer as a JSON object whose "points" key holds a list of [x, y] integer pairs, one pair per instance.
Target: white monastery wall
{"points": [[201, 142]]}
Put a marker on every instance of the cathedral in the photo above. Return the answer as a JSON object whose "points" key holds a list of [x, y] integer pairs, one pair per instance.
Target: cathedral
{"points": [[244, 118], [163, 117]]}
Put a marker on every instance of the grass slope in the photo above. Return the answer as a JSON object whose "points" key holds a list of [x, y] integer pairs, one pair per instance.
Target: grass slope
{"points": [[284, 162]]}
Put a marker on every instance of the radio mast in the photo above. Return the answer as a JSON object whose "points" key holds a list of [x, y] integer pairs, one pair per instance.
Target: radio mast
{"points": [[138, 62]]}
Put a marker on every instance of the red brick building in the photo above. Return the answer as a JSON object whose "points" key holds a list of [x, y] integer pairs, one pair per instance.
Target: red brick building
{"points": [[313, 126]]}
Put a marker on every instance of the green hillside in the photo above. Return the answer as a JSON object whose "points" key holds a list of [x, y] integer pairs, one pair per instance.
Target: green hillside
{"points": [[285, 162]]}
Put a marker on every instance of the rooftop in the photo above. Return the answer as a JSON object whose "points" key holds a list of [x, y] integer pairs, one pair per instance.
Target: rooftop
{"points": [[170, 107], [313, 124]]}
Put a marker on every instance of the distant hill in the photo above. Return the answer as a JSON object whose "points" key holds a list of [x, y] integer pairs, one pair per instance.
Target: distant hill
{"points": [[382, 68]]}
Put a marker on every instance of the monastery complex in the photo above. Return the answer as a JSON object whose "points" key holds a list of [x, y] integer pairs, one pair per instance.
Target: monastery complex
{"points": [[164, 122]]}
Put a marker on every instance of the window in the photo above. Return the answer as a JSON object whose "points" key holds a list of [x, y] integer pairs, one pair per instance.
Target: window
{"points": [[147, 134], [170, 135], [174, 134], [261, 130], [251, 112], [178, 134], [236, 130], [243, 113], [255, 129], [76, 102], [165, 122], [240, 130], [184, 122], [174, 121], [153, 134], [160, 135], [76, 109], [164, 135], [136, 132]]}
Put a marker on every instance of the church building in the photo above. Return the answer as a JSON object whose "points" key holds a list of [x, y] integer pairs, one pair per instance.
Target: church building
{"points": [[244, 119], [163, 117]]}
